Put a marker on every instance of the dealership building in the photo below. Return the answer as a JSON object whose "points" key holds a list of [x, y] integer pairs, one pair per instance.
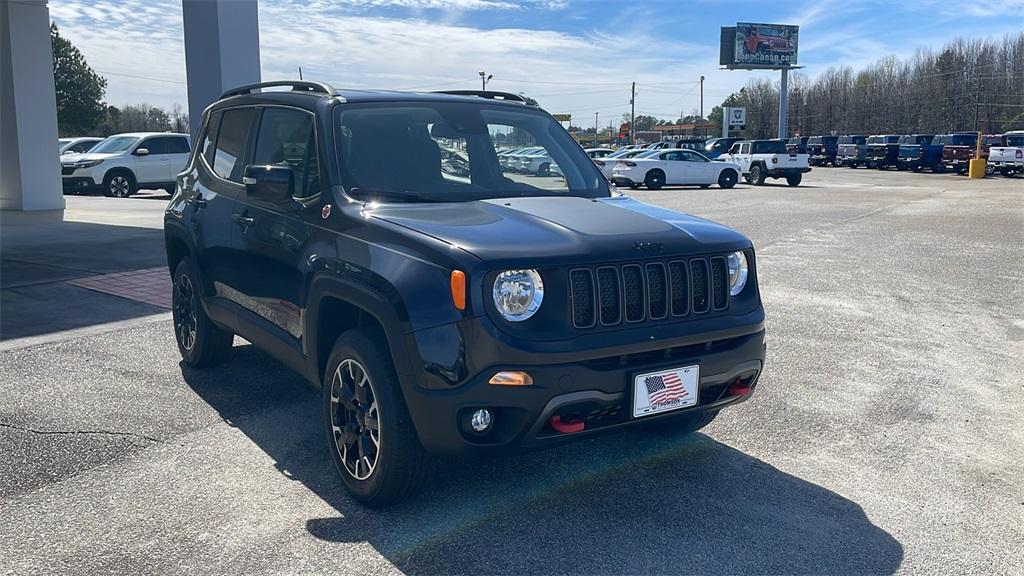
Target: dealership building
{"points": [[221, 52]]}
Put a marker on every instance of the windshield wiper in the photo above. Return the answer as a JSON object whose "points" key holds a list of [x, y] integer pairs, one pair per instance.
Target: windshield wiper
{"points": [[391, 194]]}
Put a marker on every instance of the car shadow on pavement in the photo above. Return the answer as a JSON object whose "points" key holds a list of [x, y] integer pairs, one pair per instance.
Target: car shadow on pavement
{"points": [[628, 502]]}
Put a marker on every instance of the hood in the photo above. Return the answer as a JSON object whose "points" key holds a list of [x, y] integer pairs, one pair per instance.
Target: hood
{"points": [[89, 156], [554, 230]]}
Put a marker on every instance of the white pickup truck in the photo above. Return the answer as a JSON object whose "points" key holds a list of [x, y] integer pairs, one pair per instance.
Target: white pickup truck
{"points": [[1009, 159], [761, 159]]}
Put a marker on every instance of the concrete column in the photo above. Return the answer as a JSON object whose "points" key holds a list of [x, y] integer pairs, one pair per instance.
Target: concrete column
{"points": [[29, 162], [222, 50]]}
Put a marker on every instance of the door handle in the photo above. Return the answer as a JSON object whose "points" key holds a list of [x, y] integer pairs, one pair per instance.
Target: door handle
{"points": [[244, 221]]}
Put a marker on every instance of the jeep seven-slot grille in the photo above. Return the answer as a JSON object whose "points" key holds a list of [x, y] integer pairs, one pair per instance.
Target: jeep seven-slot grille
{"points": [[609, 295]]}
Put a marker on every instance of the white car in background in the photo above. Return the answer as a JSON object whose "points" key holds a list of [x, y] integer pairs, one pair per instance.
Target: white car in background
{"points": [[121, 164], [76, 145], [598, 152], [606, 164], [674, 166], [538, 163]]}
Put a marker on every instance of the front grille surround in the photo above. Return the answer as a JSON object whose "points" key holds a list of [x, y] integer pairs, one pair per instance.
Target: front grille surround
{"points": [[648, 291]]}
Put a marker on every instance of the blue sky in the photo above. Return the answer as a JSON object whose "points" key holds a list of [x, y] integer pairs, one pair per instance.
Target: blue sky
{"points": [[574, 56]]}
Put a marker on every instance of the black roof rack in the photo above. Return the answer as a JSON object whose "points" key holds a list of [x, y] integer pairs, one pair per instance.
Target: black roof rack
{"points": [[296, 85], [492, 95]]}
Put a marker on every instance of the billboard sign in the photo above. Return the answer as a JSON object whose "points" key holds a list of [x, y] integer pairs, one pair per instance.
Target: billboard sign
{"points": [[562, 117], [751, 45]]}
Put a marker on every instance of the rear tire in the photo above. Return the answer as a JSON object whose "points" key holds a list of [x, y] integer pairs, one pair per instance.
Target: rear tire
{"points": [[938, 168], [544, 170], [727, 179], [794, 179], [361, 391], [757, 175], [202, 343], [654, 180]]}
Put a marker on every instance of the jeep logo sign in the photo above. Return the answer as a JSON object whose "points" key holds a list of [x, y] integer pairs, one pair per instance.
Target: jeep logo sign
{"points": [[737, 116]]}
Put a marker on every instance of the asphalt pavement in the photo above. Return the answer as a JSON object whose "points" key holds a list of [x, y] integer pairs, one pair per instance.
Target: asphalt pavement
{"points": [[886, 434]]}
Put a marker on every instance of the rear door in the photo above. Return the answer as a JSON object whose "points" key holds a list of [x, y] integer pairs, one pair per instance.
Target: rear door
{"points": [[274, 237], [214, 191], [177, 149]]}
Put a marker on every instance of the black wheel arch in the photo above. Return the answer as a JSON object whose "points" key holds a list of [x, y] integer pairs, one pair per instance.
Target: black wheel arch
{"points": [[337, 304]]}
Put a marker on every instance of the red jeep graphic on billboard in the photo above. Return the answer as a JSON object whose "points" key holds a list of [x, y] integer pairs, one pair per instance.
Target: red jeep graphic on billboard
{"points": [[766, 44]]}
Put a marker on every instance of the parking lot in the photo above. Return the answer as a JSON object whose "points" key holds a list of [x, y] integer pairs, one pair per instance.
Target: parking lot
{"points": [[885, 435]]}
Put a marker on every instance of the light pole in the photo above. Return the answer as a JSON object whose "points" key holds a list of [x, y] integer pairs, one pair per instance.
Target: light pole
{"points": [[702, 135], [484, 79], [595, 129]]}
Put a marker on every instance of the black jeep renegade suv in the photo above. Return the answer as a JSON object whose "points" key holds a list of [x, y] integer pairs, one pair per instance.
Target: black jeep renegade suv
{"points": [[376, 243]]}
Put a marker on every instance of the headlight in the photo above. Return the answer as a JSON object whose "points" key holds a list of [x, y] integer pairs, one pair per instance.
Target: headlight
{"points": [[518, 294], [89, 163], [737, 272]]}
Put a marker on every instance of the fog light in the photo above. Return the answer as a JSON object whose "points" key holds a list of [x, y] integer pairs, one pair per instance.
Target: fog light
{"points": [[481, 420]]}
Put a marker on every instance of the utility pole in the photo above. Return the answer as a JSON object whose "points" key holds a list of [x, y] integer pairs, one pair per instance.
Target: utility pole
{"points": [[595, 129], [484, 79], [632, 115], [702, 134]]}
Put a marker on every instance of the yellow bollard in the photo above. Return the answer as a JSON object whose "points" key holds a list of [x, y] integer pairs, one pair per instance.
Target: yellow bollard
{"points": [[976, 168]]}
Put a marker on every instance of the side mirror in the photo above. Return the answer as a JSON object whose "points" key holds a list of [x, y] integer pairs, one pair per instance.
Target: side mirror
{"points": [[141, 152], [272, 183]]}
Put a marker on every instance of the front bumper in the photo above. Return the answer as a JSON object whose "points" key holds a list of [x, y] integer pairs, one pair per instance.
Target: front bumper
{"points": [[592, 385], [79, 183]]}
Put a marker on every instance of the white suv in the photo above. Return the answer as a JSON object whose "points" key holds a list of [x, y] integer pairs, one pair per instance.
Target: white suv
{"points": [[123, 163]]}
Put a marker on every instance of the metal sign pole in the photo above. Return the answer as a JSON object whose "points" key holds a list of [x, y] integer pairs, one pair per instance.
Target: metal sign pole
{"points": [[783, 103]]}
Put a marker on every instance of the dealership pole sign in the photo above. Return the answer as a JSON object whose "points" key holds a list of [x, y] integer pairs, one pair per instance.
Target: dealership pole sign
{"points": [[759, 46]]}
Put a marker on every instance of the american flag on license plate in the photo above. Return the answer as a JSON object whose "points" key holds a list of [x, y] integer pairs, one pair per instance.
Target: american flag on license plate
{"points": [[664, 387]]}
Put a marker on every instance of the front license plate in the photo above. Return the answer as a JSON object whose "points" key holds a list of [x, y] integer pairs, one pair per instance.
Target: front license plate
{"points": [[665, 391]]}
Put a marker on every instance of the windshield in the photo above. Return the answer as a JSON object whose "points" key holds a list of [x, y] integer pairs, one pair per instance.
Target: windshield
{"points": [[963, 139], [393, 152], [114, 144]]}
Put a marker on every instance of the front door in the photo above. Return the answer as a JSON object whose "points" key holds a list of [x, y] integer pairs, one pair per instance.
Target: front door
{"points": [[151, 168], [274, 235], [698, 169]]}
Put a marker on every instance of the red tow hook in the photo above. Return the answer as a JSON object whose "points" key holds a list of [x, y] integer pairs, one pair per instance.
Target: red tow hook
{"points": [[570, 427], [737, 389]]}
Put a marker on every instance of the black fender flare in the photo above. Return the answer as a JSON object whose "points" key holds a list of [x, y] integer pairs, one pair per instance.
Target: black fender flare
{"points": [[371, 301]]}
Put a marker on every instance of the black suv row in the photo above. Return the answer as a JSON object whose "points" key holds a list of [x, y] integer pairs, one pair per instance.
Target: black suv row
{"points": [[462, 312]]}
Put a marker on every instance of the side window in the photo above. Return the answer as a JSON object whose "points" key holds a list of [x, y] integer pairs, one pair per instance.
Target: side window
{"points": [[154, 145], [210, 138], [287, 138], [691, 156], [745, 148], [228, 158], [176, 145]]}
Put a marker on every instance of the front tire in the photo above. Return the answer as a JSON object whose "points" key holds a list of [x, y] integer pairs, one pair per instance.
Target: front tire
{"points": [[727, 179], [372, 440], [654, 180], [202, 343], [119, 184]]}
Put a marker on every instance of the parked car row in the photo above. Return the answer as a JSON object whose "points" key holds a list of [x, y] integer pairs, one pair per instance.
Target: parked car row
{"points": [[122, 164], [936, 152]]}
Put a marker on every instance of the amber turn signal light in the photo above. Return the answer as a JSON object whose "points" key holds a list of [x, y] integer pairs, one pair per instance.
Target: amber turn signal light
{"points": [[459, 289], [511, 378]]}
